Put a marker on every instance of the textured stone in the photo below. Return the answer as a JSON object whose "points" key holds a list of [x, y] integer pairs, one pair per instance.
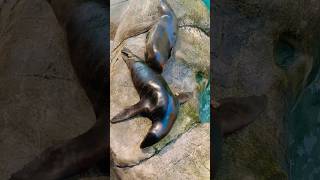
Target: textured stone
{"points": [[187, 158], [117, 8], [41, 100]]}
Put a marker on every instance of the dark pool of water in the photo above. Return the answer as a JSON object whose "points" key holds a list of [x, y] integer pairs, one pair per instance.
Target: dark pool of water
{"points": [[304, 133]]}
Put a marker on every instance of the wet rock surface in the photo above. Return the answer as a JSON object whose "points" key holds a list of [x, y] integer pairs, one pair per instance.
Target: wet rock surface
{"points": [[170, 158]]}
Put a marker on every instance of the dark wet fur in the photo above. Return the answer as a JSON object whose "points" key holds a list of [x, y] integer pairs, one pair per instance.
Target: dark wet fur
{"points": [[87, 28], [160, 41], [156, 100]]}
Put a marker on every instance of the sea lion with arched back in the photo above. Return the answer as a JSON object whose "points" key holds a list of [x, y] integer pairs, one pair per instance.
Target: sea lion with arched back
{"points": [[162, 38], [157, 102], [87, 27]]}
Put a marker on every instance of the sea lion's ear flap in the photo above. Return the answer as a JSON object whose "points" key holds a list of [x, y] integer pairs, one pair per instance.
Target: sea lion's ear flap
{"points": [[184, 97], [236, 113]]}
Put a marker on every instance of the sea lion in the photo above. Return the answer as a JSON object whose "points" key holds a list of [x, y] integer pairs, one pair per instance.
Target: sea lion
{"points": [[157, 102], [87, 33], [232, 115], [162, 38]]}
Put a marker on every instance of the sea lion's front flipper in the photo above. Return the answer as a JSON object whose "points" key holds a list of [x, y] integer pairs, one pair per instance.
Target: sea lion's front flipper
{"points": [[184, 97], [235, 113], [129, 112]]}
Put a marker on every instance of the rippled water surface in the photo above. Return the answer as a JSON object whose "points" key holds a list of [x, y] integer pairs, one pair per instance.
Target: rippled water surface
{"points": [[304, 128]]}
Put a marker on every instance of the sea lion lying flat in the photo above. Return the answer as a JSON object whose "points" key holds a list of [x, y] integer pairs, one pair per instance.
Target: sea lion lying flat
{"points": [[231, 115], [157, 102], [87, 32], [162, 38]]}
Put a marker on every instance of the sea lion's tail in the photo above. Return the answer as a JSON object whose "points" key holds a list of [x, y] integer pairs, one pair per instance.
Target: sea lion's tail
{"points": [[69, 158], [149, 140]]}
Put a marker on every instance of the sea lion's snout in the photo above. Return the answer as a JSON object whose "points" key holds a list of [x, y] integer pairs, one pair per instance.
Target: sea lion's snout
{"points": [[127, 56], [126, 52]]}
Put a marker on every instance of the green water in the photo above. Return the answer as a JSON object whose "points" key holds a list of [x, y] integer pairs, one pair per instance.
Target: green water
{"points": [[304, 128], [207, 3], [303, 118], [204, 106], [203, 98], [304, 131]]}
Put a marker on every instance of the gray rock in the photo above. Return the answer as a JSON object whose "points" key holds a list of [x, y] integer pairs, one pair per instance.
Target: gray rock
{"points": [[187, 158], [41, 100], [117, 9]]}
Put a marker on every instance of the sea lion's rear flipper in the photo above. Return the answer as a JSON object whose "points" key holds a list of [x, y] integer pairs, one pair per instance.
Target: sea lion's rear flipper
{"points": [[156, 132], [184, 97], [236, 113], [129, 112], [69, 158]]}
